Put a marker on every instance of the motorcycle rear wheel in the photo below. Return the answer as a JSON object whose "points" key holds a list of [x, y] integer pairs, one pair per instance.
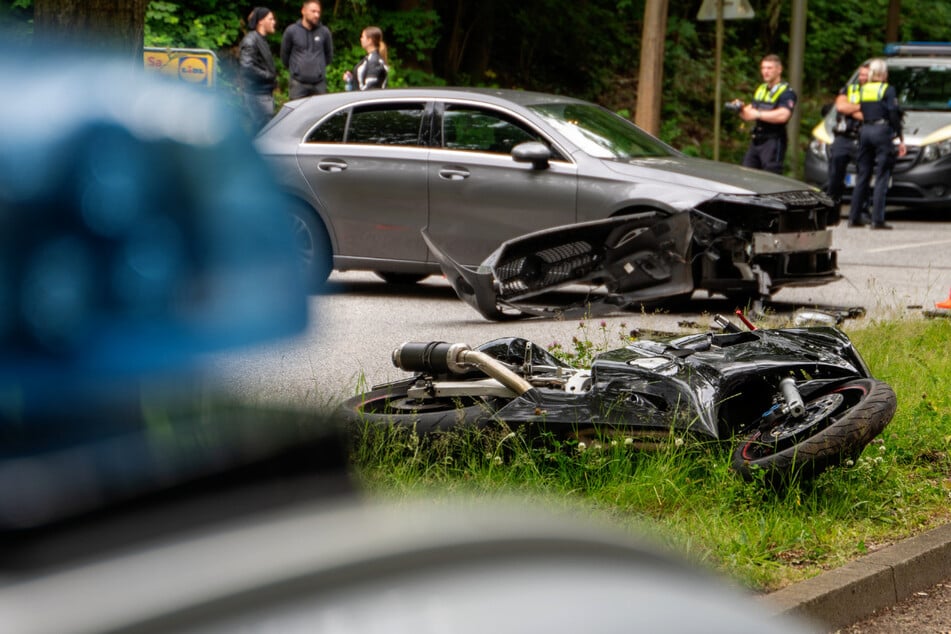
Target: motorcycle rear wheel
{"points": [[837, 425], [393, 406]]}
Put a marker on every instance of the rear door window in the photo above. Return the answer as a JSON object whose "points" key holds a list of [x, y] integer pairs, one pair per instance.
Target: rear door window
{"points": [[373, 124]]}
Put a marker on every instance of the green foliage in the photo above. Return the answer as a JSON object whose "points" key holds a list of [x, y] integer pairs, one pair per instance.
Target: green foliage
{"points": [[682, 491], [195, 24], [589, 50]]}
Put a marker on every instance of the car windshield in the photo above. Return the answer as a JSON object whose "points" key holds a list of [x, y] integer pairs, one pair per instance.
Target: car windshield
{"points": [[601, 133], [922, 87]]}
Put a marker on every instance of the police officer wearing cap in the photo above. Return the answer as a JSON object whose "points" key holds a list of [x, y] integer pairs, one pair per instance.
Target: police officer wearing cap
{"points": [[845, 146], [772, 106], [881, 125]]}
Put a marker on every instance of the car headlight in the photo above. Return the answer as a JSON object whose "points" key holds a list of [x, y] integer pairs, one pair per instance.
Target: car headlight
{"points": [[934, 151], [818, 149]]}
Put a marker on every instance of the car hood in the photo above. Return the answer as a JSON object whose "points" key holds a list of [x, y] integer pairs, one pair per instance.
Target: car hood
{"points": [[921, 124], [704, 175]]}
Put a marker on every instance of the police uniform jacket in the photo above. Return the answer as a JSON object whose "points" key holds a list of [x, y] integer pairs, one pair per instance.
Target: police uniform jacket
{"points": [[879, 103], [766, 98]]}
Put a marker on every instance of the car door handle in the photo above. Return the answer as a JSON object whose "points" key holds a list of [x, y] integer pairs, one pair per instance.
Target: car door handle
{"points": [[453, 173], [332, 165]]}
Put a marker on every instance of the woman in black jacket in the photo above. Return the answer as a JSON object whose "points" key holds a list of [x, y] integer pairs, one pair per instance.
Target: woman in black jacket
{"points": [[372, 70], [258, 75]]}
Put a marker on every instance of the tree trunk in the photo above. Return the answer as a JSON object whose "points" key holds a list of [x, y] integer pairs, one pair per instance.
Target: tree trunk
{"points": [[113, 26], [650, 81], [894, 21]]}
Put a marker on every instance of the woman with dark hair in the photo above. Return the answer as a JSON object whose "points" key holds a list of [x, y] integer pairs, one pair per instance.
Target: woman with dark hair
{"points": [[372, 70], [258, 75]]}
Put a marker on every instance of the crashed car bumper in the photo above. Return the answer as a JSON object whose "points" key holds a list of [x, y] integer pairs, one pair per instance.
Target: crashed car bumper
{"points": [[635, 257]]}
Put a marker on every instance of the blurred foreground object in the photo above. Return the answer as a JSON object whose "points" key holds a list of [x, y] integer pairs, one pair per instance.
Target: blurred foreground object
{"points": [[137, 228]]}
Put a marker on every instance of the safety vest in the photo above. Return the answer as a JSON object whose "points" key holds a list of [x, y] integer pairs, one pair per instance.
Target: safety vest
{"points": [[766, 95], [853, 91], [871, 91]]}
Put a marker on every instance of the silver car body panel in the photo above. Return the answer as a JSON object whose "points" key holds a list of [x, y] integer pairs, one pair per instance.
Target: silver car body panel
{"points": [[376, 199]]}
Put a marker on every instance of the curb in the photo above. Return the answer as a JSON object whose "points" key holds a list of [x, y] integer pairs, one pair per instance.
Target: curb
{"points": [[881, 579]]}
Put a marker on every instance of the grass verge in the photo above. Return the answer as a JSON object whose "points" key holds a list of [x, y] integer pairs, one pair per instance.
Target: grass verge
{"points": [[685, 495]]}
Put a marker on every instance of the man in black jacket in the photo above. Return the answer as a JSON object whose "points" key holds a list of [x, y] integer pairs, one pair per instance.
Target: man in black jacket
{"points": [[307, 50], [258, 75]]}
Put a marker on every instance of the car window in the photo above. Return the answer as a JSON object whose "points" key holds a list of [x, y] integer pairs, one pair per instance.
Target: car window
{"points": [[600, 132], [482, 130], [926, 87], [377, 124], [386, 124], [330, 130]]}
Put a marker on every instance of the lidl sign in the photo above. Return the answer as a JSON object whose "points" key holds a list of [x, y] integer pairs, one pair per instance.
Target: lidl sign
{"points": [[191, 65]]}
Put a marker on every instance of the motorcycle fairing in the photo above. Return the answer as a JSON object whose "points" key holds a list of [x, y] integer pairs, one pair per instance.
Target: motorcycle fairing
{"points": [[635, 257], [711, 384]]}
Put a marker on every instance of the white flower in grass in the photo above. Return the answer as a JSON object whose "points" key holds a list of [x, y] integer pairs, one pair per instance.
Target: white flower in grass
{"points": [[678, 442], [628, 441], [582, 446], [498, 459]]}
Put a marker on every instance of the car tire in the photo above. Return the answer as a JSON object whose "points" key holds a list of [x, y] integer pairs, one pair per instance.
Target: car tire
{"points": [[313, 246]]}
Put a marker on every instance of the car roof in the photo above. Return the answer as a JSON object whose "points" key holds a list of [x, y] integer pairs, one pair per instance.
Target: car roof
{"points": [[521, 97]]}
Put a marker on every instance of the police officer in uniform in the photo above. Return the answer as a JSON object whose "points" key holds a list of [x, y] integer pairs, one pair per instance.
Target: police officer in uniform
{"points": [[845, 146], [881, 125], [772, 106]]}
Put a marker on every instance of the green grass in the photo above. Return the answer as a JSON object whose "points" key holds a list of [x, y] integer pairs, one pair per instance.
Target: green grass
{"points": [[684, 494]]}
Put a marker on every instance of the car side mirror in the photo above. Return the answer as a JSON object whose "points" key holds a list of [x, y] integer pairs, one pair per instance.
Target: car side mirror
{"points": [[532, 152]]}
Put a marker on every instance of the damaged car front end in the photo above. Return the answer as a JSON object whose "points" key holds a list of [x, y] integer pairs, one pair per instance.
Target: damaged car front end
{"points": [[743, 246]]}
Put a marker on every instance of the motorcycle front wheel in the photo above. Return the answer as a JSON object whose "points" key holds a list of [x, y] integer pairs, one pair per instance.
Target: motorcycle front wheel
{"points": [[393, 406], [837, 424]]}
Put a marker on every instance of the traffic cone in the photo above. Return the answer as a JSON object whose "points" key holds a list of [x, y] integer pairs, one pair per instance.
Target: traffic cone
{"points": [[945, 304]]}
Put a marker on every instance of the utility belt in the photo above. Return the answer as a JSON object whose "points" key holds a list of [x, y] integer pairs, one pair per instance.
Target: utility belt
{"points": [[760, 137], [849, 134]]}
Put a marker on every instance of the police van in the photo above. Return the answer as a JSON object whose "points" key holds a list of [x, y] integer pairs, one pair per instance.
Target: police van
{"points": [[921, 74]]}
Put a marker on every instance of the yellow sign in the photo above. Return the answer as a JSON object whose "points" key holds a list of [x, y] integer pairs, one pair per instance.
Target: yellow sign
{"points": [[190, 65]]}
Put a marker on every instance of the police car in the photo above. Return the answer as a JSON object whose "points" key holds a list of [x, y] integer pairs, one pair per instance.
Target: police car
{"points": [[921, 73]]}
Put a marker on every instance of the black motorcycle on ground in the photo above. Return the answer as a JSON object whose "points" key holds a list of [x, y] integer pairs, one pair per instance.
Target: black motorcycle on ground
{"points": [[793, 400]]}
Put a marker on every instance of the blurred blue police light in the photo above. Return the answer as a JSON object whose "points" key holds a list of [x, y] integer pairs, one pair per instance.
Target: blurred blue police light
{"points": [[138, 227]]}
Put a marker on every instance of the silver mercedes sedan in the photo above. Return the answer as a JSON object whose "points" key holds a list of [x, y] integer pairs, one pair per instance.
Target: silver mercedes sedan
{"points": [[369, 174]]}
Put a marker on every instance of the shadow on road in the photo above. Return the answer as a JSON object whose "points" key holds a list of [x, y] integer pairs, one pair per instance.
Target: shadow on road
{"points": [[695, 309]]}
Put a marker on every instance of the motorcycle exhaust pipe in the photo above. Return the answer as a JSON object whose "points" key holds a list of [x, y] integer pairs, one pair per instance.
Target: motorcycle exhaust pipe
{"points": [[792, 396], [439, 357]]}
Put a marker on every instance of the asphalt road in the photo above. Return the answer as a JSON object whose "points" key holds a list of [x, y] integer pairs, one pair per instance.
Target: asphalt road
{"points": [[359, 320]]}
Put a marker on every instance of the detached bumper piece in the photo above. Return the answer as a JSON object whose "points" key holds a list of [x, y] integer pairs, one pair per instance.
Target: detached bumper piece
{"points": [[634, 258]]}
